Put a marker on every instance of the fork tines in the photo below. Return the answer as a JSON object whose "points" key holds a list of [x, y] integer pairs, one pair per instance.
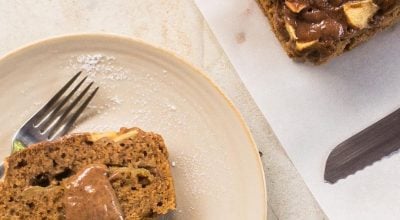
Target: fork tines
{"points": [[63, 109]]}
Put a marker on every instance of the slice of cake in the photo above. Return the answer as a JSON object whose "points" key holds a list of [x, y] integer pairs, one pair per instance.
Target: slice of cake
{"points": [[116, 175], [316, 30]]}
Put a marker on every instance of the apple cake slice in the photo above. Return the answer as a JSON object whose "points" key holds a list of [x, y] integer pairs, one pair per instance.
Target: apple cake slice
{"points": [[316, 30], [114, 175]]}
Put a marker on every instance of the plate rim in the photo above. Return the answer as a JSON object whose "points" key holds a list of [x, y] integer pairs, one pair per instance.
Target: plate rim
{"points": [[184, 61]]}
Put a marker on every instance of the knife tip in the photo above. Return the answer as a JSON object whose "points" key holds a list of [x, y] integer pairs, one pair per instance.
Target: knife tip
{"points": [[329, 178]]}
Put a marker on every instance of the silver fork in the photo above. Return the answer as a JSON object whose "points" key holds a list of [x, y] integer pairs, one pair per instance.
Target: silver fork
{"points": [[55, 118]]}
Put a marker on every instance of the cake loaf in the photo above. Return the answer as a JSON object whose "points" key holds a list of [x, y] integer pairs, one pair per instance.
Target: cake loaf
{"points": [[317, 30], [115, 175]]}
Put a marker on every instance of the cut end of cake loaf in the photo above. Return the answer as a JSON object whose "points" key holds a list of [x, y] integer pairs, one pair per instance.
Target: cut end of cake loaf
{"points": [[135, 163], [317, 30]]}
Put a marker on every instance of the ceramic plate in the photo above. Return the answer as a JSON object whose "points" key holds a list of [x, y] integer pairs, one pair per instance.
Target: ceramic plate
{"points": [[216, 166]]}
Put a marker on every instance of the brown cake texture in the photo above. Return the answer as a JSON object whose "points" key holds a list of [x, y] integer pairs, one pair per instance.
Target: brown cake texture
{"points": [[317, 30], [76, 176]]}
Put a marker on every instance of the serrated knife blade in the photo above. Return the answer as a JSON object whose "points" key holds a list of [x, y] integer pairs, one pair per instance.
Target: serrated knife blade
{"points": [[364, 148]]}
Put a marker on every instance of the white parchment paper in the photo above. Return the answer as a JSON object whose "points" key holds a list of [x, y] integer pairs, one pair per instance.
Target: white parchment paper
{"points": [[314, 108]]}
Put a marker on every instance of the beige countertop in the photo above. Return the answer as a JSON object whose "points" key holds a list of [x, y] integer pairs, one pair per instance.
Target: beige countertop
{"points": [[177, 26]]}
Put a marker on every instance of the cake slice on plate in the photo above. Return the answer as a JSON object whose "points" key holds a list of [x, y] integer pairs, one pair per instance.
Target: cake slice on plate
{"points": [[115, 175]]}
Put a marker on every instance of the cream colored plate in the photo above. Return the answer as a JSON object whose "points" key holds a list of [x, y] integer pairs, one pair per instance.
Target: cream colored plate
{"points": [[217, 170]]}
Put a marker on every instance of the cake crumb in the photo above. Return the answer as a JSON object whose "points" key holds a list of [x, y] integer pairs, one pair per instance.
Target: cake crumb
{"points": [[240, 37]]}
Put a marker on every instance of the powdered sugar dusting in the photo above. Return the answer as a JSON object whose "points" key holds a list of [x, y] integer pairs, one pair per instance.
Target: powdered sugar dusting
{"points": [[116, 100], [89, 62], [106, 73], [99, 65], [171, 107]]}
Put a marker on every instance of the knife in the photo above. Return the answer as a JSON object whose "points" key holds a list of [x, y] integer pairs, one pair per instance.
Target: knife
{"points": [[364, 148]]}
